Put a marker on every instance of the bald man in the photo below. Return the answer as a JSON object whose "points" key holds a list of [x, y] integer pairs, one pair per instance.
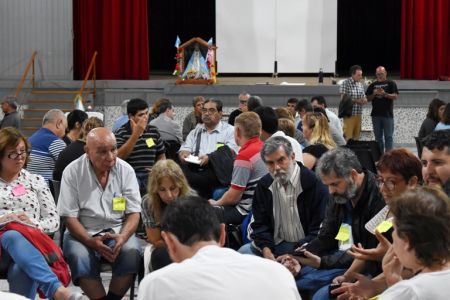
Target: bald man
{"points": [[47, 144], [382, 93], [100, 204]]}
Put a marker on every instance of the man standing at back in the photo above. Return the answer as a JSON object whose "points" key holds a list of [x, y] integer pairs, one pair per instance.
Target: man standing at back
{"points": [[382, 93], [353, 88], [11, 118], [46, 144], [204, 270]]}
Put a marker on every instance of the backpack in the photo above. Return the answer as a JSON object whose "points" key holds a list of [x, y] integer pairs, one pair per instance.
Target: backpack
{"points": [[345, 106]]}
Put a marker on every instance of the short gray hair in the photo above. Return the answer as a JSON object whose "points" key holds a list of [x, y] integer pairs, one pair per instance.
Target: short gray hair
{"points": [[341, 161], [273, 144], [52, 115]]}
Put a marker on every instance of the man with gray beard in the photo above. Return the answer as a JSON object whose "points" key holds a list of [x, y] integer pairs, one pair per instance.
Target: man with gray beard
{"points": [[355, 199], [288, 203]]}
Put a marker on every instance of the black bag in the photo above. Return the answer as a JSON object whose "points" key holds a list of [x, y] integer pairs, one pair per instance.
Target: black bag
{"points": [[222, 161], [345, 106]]}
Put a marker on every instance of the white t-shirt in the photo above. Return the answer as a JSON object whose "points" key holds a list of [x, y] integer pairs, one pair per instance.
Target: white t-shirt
{"points": [[425, 286], [220, 273], [11, 296]]}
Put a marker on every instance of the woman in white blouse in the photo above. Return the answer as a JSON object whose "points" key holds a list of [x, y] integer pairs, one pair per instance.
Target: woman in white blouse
{"points": [[25, 197], [421, 243]]}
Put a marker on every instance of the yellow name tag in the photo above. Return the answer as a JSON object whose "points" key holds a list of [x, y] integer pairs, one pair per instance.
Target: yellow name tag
{"points": [[119, 203], [218, 145], [375, 298], [150, 143], [384, 226], [343, 234]]}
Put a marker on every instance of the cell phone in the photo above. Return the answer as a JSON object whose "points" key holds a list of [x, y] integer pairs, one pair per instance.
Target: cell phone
{"points": [[299, 252], [332, 287]]}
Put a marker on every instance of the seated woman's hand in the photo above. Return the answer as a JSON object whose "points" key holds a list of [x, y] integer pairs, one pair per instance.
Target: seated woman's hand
{"points": [[392, 268], [23, 217], [376, 254], [363, 288]]}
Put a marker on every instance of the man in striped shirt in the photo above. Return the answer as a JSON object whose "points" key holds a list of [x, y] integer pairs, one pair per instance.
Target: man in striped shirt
{"points": [[248, 168], [46, 144], [139, 143]]}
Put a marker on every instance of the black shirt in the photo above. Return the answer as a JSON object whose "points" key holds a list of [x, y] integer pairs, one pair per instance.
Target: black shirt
{"points": [[233, 116], [382, 106], [68, 155]]}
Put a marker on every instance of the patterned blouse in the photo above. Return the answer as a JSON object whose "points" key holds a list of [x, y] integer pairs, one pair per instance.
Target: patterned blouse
{"points": [[30, 194]]}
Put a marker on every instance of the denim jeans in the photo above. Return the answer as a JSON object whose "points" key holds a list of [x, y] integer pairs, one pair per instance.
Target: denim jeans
{"points": [[383, 126], [26, 267], [85, 262], [312, 279], [280, 249]]}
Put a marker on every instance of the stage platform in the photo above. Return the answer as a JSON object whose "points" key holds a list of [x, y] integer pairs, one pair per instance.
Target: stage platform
{"points": [[409, 109]]}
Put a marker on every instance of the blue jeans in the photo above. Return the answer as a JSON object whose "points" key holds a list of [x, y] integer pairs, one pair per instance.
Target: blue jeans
{"points": [[280, 249], [26, 267], [384, 126], [85, 262], [312, 279]]}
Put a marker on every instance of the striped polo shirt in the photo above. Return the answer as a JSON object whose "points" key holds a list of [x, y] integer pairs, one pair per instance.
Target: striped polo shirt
{"points": [[147, 148], [45, 149], [247, 170]]}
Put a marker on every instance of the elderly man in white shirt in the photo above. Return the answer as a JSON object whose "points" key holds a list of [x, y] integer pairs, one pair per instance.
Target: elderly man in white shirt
{"points": [[100, 204]]}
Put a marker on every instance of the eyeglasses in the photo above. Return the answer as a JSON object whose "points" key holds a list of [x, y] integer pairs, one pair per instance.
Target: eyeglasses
{"points": [[388, 184], [243, 102], [15, 155], [209, 110]]}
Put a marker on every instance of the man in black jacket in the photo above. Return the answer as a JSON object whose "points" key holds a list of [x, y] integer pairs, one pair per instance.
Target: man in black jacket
{"points": [[278, 228], [355, 199]]}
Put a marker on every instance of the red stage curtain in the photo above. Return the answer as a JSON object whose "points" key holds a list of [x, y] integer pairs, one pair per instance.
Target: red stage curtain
{"points": [[118, 31], [425, 39]]}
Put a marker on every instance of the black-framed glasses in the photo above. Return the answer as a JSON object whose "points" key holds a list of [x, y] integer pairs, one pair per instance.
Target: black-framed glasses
{"points": [[243, 102], [15, 155], [388, 184]]}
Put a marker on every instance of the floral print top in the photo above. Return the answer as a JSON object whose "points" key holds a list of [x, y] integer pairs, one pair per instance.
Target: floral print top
{"points": [[30, 194]]}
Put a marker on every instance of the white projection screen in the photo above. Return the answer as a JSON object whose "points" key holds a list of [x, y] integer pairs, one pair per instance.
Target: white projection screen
{"points": [[301, 35]]}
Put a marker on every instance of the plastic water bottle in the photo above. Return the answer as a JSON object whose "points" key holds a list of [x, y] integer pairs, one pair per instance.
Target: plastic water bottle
{"points": [[320, 76]]}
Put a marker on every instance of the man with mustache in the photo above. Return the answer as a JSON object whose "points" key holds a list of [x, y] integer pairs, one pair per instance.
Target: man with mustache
{"points": [[204, 142], [288, 203], [436, 159]]}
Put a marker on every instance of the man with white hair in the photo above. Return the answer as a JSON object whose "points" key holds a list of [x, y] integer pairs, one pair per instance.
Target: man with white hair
{"points": [[46, 144]]}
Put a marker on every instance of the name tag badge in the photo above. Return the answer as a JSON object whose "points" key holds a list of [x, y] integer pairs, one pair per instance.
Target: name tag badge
{"points": [[18, 190], [384, 226], [344, 237], [119, 203], [218, 145], [344, 233], [150, 142]]}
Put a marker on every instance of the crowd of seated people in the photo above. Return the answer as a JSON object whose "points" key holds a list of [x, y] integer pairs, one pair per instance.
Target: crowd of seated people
{"points": [[310, 207]]}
